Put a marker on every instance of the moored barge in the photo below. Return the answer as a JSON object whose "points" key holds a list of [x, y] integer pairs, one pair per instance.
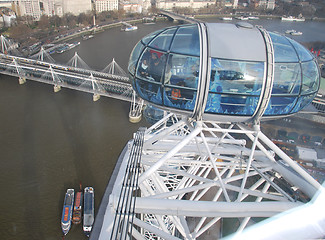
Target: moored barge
{"points": [[77, 209], [67, 211], [88, 218]]}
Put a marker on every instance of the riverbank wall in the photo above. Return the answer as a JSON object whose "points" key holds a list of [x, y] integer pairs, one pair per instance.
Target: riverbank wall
{"points": [[262, 16], [102, 28]]}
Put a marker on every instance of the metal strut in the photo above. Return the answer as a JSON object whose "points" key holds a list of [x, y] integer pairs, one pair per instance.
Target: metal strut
{"points": [[124, 216], [4, 47], [21, 74], [57, 86], [135, 113]]}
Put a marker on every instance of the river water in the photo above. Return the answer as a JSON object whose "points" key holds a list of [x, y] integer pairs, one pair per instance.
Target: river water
{"points": [[52, 141]]}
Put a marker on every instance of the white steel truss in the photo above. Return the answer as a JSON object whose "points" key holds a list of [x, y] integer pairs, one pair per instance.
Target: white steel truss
{"points": [[203, 180]]}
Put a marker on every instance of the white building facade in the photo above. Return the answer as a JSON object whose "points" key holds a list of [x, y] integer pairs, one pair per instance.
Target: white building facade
{"points": [[6, 4], [29, 8], [131, 7], [76, 6], [58, 8], [37, 8], [106, 5], [267, 4], [235, 5]]}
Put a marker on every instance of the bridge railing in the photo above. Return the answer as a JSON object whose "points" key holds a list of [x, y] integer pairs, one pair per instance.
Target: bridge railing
{"points": [[69, 77], [104, 83], [319, 104]]}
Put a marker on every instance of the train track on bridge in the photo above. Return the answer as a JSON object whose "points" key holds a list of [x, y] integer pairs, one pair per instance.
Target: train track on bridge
{"points": [[79, 79], [85, 80]]}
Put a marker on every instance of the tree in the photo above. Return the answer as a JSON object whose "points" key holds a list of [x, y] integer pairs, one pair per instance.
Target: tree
{"points": [[44, 22], [320, 12], [121, 13], [69, 20], [20, 32], [85, 19], [153, 10], [102, 16], [55, 21], [114, 14]]}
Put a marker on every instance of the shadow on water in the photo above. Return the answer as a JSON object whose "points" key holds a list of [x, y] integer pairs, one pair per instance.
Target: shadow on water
{"points": [[70, 117], [30, 171]]}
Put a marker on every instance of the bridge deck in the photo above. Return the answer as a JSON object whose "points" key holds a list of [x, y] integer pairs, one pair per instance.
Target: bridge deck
{"points": [[91, 81]]}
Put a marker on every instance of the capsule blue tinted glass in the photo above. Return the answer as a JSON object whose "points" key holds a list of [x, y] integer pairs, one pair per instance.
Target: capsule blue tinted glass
{"points": [[187, 41], [166, 69], [283, 49]]}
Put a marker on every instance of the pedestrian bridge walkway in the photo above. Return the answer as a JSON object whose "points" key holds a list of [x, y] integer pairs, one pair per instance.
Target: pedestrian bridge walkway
{"points": [[110, 82]]}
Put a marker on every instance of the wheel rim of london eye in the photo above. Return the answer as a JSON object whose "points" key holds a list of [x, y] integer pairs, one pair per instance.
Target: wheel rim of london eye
{"points": [[224, 72]]}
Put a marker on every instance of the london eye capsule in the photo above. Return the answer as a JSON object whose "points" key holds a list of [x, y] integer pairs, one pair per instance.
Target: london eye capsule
{"points": [[224, 72]]}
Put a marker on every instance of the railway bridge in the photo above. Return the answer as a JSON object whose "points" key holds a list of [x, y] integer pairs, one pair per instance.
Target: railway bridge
{"points": [[110, 82], [178, 17]]}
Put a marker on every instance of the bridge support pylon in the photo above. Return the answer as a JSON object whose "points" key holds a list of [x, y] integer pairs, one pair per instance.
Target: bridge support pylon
{"points": [[22, 80], [96, 97], [135, 114], [57, 88]]}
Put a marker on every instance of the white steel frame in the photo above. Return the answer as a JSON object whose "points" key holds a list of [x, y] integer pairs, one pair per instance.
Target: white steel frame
{"points": [[197, 175]]}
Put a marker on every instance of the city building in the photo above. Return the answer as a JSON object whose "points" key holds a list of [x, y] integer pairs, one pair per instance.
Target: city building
{"points": [[228, 3], [235, 4], [47, 7], [106, 5], [6, 4], [131, 7], [267, 4], [76, 6], [37, 8], [58, 8], [28, 7]]}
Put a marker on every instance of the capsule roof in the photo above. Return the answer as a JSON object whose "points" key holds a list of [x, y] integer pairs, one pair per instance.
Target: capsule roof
{"points": [[239, 41], [231, 72]]}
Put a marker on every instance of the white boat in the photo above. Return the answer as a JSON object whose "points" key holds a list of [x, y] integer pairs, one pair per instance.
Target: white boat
{"points": [[128, 27], [293, 32], [253, 18], [227, 18], [87, 37], [73, 45], [242, 18], [132, 28], [67, 46], [300, 19], [290, 31], [148, 20], [292, 19]]}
